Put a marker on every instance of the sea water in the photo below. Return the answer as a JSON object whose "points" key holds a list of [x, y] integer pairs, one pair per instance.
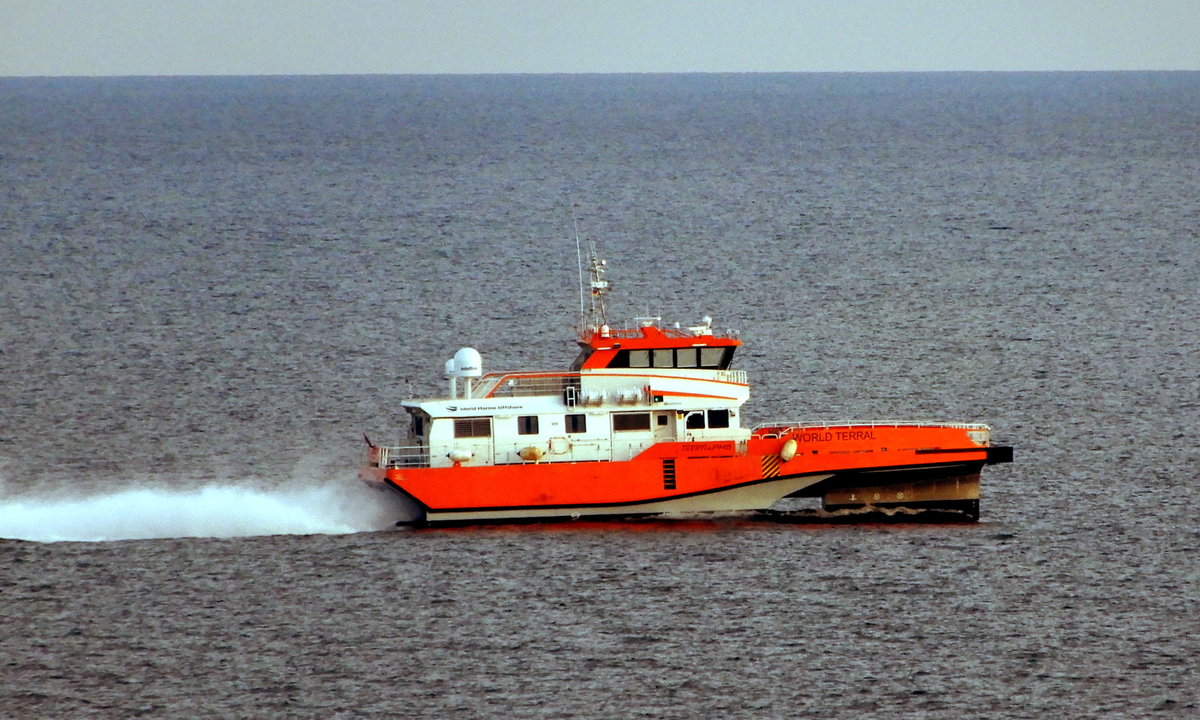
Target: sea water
{"points": [[210, 288]]}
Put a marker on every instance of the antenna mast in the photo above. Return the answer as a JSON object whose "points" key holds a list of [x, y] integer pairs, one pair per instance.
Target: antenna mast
{"points": [[598, 313], [593, 315], [579, 263]]}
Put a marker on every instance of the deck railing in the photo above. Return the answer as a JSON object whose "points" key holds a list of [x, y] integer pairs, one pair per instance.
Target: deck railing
{"points": [[622, 333], [519, 385], [385, 456], [529, 384], [733, 376], [522, 384], [781, 428]]}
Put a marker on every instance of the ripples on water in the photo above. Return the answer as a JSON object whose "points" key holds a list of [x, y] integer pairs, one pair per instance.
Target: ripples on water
{"points": [[211, 287]]}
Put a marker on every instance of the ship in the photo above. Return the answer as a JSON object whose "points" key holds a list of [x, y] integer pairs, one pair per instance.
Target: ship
{"points": [[647, 421]]}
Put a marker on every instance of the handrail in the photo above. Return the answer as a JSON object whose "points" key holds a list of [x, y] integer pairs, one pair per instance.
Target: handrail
{"points": [[737, 377], [786, 426], [526, 383], [396, 456], [488, 385], [529, 385], [631, 333], [628, 333]]}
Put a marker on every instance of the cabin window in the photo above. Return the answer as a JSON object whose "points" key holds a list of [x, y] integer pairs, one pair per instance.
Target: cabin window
{"points": [[472, 427], [622, 360], [631, 421], [580, 359], [712, 357], [695, 420], [527, 425], [577, 423], [661, 418], [709, 358], [718, 418]]}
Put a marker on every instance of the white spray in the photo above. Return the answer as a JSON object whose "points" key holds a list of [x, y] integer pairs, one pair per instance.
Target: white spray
{"points": [[214, 510]]}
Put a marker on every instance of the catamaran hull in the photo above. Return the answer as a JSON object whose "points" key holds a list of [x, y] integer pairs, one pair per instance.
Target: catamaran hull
{"points": [[558, 491], [942, 487], [759, 495], [846, 466]]}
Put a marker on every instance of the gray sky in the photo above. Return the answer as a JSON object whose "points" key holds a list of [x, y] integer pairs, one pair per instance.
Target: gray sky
{"points": [[235, 37]]}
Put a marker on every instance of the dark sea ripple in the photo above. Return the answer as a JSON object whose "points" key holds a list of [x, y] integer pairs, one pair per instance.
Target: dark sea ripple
{"points": [[210, 287]]}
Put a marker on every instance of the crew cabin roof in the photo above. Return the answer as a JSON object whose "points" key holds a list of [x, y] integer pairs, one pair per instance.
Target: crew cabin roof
{"points": [[654, 347]]}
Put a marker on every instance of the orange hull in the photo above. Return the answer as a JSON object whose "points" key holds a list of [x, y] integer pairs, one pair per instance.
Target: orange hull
{"points": [[697, 476]]}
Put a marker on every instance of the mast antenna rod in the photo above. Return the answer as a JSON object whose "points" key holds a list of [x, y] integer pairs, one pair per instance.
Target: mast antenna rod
{"points": [[579, 263], [594, 317]]}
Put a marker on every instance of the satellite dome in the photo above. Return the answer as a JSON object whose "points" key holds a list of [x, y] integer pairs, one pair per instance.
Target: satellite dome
{"points": [[468, 363]]}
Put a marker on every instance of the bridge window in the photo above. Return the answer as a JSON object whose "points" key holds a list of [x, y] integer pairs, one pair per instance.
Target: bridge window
{"points": [[695, 420], [709, 358], [472, 427], [718, 418], [631, 421], [580, 359], [713, 357], [577, 423], [527, 425]]}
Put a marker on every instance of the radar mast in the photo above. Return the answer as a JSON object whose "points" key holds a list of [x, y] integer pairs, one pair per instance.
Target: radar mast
{"points": [[593, 309]]}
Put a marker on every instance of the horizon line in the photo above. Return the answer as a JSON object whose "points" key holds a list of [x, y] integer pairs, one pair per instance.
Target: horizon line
{"points": [[591, 73]]}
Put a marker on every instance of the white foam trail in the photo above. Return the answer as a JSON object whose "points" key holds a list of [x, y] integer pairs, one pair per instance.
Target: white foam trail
{"points": [[220, 511]]}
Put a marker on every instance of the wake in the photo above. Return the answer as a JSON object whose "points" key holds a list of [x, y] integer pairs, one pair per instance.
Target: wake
{"points": [[217, 511]]}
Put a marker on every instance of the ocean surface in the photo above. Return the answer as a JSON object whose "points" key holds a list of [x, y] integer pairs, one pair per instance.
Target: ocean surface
{"points": [[210, 288]]}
